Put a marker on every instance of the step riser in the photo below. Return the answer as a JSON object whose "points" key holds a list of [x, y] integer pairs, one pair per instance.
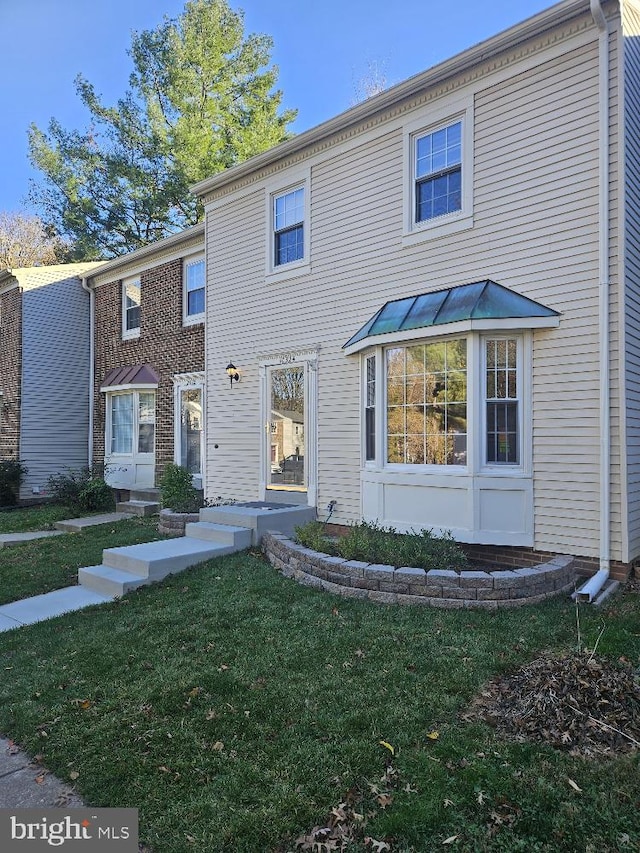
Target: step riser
{"points": [[237, 537], [162, 566], [152, 495], [282, 520], [143, 509], [108, 586]]}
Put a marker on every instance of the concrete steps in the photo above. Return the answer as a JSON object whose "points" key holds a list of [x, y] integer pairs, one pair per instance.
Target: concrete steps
{"points": [[75, 525], [142, 502], [221, 530]]}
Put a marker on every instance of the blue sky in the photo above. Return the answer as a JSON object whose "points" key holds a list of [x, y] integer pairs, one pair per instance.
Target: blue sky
{"points": [[322, 47]]}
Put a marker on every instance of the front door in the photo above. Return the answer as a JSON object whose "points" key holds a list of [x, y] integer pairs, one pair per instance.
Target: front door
{"points": [[287, 457]]}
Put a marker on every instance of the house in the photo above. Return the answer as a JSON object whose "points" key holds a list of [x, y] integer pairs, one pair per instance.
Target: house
{"points": [[443, 283], [147, 341], [44, 362]]}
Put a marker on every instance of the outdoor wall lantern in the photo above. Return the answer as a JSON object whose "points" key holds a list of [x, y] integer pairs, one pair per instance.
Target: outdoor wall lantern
{"points": [[232, 373]]}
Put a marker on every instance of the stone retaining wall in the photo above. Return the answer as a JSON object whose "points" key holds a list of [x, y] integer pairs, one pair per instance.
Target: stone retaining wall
{"points": [[173, 523], [489, 590]]}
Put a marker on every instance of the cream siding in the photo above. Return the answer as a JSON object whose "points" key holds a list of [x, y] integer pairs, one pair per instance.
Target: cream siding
{"points": [[631, 36], [535, 230]]}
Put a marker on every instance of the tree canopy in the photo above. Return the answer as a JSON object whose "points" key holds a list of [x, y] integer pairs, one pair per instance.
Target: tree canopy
{"points": [[201, 98], [26, 242]]}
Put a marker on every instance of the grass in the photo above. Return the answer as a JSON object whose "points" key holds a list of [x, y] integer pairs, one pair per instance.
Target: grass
{"points": [[27, 519], [43, 565], [235, 709]]}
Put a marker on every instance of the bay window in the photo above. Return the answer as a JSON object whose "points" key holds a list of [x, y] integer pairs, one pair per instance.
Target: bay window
{"points": [[132, 422]]}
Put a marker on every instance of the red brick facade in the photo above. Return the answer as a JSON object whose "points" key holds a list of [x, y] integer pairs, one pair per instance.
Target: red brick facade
{"points": [[164, 343], [10, 372]]}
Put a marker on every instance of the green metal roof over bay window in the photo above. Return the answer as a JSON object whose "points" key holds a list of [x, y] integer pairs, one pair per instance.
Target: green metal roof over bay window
{"points": [[480, 305]]}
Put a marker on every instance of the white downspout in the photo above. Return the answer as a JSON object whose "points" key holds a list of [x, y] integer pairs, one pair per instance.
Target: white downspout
{"points": [[92, 310], [591, 588]]}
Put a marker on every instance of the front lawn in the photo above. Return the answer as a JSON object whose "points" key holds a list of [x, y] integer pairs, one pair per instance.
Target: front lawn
{"points": [[236, 709], [42, 565], [27, 519]]}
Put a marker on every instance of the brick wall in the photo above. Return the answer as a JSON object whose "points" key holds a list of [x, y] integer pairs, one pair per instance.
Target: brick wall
{"points": [[10, 372], [164, 343]]}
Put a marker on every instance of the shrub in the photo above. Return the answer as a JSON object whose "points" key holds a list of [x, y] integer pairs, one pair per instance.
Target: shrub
{"points": [[372, 543], [83, 489], [11, 474], [177, 490]]}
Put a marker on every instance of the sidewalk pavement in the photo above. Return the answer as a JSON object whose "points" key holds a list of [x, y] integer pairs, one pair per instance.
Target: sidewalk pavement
{"points": [[26, 784], [26, 611]]}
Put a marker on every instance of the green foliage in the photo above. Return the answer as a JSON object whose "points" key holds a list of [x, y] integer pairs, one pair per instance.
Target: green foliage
{"points": [[177, 490], [373, 543], [82, 489], [202, 98], [11, 474]]}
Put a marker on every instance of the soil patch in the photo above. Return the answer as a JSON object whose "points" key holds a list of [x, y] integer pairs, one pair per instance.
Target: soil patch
{"points": [[580, 703]]}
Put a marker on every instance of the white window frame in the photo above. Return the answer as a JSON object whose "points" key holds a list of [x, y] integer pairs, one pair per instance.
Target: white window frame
{"points": [[300, 180], [437, 119], [192, 319], [476, 463], [135, 393], [129, 334]]}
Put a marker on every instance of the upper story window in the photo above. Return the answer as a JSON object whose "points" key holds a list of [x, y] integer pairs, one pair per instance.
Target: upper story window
{"points": [[193, 291], [438, 172], [131, 308], [288, 227]]}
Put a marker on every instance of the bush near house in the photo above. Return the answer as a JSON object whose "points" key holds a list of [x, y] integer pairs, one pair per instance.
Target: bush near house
{"points": [[373, 543], [11, 474], [83, 489], [177, 490]]}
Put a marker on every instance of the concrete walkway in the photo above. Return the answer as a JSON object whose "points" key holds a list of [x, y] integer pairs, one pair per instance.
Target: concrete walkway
{"points": [[26, 611], [25, 784], [17, 538]]}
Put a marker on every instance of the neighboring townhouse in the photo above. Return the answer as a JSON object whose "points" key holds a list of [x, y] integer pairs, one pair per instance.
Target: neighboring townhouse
{"points": [[44, 371], [443, 284], [148, 361]]}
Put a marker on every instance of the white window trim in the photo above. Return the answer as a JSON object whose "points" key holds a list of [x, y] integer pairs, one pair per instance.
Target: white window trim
{"points": [[135, 453], [192, 319], [129, 334], [301, 179], [476, 464], [185, 382], [416, 232]]}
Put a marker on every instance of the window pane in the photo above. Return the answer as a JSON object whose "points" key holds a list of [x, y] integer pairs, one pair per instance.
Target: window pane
{"points": [[146, 422], [191, 430], [132, 305], [370, 409], [195, 287], [122, 423], [195, 302], [429, 408], [289, 245], [502, 407]]}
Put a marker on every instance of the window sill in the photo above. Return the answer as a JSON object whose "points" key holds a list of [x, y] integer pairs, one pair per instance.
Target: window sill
{"points": [[434, 229], [131, 335], [194, 320], [287, 271]]}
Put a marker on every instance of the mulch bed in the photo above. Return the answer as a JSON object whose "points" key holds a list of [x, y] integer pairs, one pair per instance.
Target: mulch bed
{"points": [[579, 703]]}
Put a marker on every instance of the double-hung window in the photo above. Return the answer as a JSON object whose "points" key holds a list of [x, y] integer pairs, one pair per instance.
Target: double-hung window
{"points": [[502, 394], [131, 308], [438, 172], [288, 227], [193, 291]]}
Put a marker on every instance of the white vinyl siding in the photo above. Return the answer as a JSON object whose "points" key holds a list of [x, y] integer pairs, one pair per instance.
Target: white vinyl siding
{"points": [[535, 230]]}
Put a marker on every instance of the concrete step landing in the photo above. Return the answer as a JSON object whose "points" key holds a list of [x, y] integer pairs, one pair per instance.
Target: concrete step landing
{"points": [[138, 507]]}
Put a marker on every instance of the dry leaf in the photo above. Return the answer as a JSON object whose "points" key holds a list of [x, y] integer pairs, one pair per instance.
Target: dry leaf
{"points": [[450, 839], [434, 735], [575, 786], [74, 775], [387, 746], [218, 746]]}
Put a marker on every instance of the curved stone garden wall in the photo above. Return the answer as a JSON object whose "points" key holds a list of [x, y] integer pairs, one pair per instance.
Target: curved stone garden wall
{"points": [[173, 523], [489, 589]]}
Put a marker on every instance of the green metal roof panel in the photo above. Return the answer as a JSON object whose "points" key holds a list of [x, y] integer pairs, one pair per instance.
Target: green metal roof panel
{"points": [[480, 300]]}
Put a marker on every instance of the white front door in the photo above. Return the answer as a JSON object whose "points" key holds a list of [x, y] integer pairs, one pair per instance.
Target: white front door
{"points": [[130, 439], [189, 425]]}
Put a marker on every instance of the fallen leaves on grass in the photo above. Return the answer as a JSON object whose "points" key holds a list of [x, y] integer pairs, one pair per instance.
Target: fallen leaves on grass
{"points": [[578, 703]]}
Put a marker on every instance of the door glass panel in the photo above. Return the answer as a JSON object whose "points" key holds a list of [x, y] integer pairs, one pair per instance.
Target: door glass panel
{"points": [[286, 430], [191, 430], [121, 423], [146, 422]]}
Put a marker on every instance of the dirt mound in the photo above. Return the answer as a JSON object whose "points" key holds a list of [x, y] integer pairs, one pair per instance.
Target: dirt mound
{"points": [[579, 703]]}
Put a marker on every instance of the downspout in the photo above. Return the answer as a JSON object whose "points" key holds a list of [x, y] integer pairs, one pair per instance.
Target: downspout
{"points": [[92, 310], [591, 588]]}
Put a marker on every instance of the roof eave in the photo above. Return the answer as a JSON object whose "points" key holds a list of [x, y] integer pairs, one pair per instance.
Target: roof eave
{"points": [[481, 52]]}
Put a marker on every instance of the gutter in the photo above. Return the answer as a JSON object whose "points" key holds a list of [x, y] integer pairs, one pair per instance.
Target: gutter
{"points": [[593, 586], [92, 311]]}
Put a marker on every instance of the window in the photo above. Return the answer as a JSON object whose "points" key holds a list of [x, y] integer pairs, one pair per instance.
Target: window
{"points": [[427, 403], [193, 291], [438, 172], [502, 404], [132, 422], [288, 227], [370, 410], [131, 308]]}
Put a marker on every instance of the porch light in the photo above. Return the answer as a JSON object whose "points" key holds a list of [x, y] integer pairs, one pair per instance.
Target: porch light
{"points": [[232, 373]]}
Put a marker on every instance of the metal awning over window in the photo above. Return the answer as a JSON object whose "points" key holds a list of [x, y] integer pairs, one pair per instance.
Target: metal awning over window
{"points": [[133, 376], [480, 305]]}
